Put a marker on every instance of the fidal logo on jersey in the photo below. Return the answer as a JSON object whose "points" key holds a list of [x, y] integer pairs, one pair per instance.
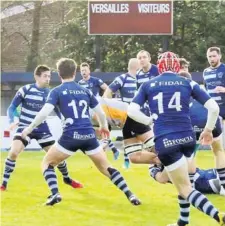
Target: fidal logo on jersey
{"points": [[169, 143], [170, 83]]}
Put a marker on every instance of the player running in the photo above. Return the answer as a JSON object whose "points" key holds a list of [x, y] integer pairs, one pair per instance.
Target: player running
{"points": [[168, 96], [32, 98], [74, 102]]}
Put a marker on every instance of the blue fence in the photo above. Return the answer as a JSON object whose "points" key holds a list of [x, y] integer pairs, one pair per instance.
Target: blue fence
{"points": [[27, 77]]}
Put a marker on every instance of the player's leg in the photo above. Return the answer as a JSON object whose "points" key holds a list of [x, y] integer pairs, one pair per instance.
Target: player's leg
{"points": [[216, 186], [55, 155], [223, 132], [108, 143], [180, 179], [17, 147], [177, 167], [158, 173], [137, 155], [98, 156], [112, 147], [191, 167], [135, 134], [131, 146], [146, 156], [217, 147], [46, 144]]}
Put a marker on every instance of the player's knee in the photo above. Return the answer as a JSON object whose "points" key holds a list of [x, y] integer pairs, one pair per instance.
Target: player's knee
{"points": [[48, 162], [133, 151], [148, 144], [135, 157]]}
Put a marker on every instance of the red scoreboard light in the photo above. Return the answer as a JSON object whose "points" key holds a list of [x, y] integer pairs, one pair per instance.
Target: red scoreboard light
{"points": [[130, 17]]}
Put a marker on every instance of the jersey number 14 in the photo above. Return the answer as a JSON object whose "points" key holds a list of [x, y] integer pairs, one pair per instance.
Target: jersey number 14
{"points": [[174, 102]]}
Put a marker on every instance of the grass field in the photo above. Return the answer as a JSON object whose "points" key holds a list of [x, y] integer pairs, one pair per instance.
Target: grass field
{"points": [[99, 203]]}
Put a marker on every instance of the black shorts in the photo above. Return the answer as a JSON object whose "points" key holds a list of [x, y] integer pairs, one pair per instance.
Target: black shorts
{"points": [[132, 128]]}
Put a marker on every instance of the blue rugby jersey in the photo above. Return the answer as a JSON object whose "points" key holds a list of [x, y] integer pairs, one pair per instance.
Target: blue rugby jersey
{"points": [[168, 96], [142, 76], [202, 180], [32, 99], [73, 101], [127, 86], [214, 77], [93, 84]]}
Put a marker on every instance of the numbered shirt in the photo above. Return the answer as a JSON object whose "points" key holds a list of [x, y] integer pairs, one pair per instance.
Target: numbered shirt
{"points": [[168, 96], [214, 77], [73, 101], [94, 84]]}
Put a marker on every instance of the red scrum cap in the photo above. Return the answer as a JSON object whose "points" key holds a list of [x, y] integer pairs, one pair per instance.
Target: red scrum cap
{"points": [[168, 61]]}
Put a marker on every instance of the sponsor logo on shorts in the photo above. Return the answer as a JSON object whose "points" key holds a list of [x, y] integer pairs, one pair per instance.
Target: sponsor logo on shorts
{"points": [[78, 136], [169, 143]]}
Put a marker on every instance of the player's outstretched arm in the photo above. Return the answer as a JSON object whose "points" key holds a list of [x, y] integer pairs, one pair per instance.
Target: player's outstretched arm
{"points": [[206, 136], [40, 117], [108, 93], [213, 113], [134, 112]]}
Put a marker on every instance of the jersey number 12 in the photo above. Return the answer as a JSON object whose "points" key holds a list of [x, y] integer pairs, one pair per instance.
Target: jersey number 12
{"points": [[83, 104]]}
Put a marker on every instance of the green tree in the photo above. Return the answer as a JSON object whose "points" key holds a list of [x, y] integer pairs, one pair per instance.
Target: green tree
{"points": [[197, 26], [32, 59]]}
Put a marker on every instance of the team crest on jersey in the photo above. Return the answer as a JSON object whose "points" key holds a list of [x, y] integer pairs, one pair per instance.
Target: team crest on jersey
{"points": [[220, 74], [152, 84], [91, 85]]}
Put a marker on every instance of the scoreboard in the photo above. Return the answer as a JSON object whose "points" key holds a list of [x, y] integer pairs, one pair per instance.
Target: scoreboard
{"points": [[130, 17]]}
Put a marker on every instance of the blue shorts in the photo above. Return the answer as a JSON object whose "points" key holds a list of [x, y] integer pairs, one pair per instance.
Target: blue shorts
{"points": [[172, 148], [84, 140], [202, 181], [216, 132], [44, 139]]}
